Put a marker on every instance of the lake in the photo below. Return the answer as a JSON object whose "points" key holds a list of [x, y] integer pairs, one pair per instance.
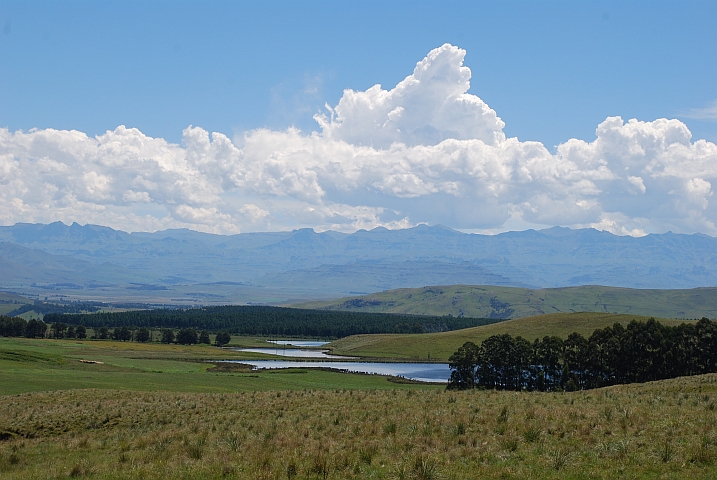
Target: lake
{"points": [[290, 352], [424, 372], [298, 343]]}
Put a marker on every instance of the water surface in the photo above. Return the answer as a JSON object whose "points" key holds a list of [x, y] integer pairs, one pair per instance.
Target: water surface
{"points": [[299, 343], [424, 372], [290, 352]]}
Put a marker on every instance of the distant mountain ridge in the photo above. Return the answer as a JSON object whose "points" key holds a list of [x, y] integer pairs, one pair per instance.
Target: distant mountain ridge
{"points": [[332, 264]]}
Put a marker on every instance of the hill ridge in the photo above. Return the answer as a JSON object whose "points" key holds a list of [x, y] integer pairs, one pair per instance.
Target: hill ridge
{"points": [[491, 301]]}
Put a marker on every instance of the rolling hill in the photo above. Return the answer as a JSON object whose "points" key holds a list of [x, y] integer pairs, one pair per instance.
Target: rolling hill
{"points": [[511, 302], [440, 346], [11, 301]]}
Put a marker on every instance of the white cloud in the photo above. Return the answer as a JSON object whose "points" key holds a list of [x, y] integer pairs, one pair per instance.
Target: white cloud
{"points": [[428, 106], [708, 113], [425, 151], [638, 182]]}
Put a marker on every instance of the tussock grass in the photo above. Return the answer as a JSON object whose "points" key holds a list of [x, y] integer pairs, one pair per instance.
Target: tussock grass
{"points": [[660, 429]]}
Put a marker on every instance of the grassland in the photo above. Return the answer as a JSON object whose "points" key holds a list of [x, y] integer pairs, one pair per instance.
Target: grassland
{"points": [[5, 308], [11, 301], [511, 302], [161, 411], [658, 430], [31, 365], [440, 346]]}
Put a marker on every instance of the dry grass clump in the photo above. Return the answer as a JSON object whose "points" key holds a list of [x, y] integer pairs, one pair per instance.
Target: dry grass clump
{"points": [[662, 429]]}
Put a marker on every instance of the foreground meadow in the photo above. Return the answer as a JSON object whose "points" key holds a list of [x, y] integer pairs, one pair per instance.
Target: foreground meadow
{"points": [[656, 430], [164, 411]]}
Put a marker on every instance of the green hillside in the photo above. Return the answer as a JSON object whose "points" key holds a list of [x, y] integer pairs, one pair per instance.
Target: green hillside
{"points": [[511, 302], [11, 301], [440, 346]]}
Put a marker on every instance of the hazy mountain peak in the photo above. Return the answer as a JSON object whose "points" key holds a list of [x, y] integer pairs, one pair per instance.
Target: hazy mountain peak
{"points": [[333, 263]]}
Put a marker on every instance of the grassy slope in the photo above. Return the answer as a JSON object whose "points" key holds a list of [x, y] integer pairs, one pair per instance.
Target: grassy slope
{"points": [[475, 301], [11, 301], [154, 411], [5, 308], [657, 430], [441, 345], [37, 365]]}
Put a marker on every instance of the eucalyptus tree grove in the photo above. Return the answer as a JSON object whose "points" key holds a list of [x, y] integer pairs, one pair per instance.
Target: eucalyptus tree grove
{"points": [[640, 352]]}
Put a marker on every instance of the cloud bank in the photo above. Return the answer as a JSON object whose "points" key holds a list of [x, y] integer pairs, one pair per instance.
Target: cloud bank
{"points": [[425, 151]]}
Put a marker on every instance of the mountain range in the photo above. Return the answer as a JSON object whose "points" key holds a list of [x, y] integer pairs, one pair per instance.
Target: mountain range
{"points": [[303, 264]]}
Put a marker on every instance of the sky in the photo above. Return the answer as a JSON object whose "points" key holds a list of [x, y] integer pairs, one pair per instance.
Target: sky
{"points": [[231, 117]]}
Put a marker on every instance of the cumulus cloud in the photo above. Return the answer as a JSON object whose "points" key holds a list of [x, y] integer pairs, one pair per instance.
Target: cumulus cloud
{"points": [[427, 107], [425, 151]]}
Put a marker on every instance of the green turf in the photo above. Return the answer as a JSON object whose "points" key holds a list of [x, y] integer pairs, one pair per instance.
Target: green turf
{"points": [[511, 302], [440, 346], [31, 365]]}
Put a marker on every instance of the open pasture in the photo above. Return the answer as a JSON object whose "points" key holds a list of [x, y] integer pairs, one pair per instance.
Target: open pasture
{"points": [[162, 411], [29, 365], [656, 430]]}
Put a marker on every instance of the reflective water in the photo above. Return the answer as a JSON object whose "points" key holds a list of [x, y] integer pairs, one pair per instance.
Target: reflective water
{"points": [[298, 343], [290, 352], [424, 372]]}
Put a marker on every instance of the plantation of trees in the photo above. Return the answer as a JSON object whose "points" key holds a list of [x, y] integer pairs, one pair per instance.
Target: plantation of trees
{"points": [[19, 327], [262, 320], [640, 352]]}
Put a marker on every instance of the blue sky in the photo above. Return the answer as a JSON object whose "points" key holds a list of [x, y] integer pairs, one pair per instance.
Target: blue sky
{"points": [[550, 70]]}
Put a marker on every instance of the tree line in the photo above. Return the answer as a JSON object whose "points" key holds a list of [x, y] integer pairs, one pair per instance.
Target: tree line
{"points": [[640, 352], [19, 327], [264, 320], [50, 307], [185, 336]]}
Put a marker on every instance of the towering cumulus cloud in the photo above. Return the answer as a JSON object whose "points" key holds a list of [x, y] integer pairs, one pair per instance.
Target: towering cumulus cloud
{"points": [[426, 108], [423, 151]]}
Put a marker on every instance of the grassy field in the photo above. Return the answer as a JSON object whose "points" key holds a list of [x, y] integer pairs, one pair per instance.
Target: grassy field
{"points": [[512, 302], [658, 430], [7, 307], [161, 411], [38, 365], [440, 346], [10, 301]]}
